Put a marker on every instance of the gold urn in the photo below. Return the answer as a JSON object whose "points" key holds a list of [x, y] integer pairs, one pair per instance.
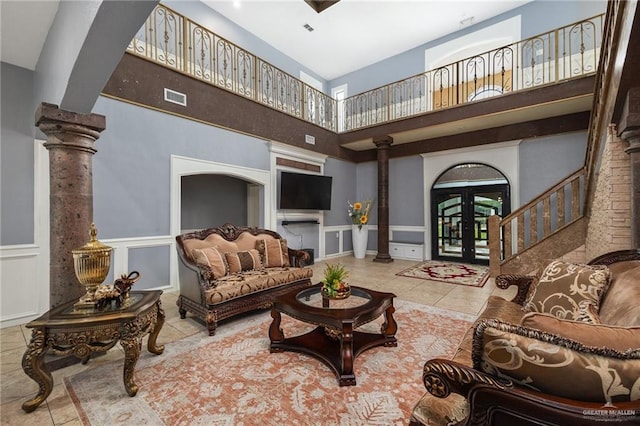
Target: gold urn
{"points": [[91, 263]]}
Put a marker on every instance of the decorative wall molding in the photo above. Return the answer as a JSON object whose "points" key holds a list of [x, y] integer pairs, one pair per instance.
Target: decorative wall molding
{"points": [[24, 268], [185, 166], [288, 158], [120, 255]]}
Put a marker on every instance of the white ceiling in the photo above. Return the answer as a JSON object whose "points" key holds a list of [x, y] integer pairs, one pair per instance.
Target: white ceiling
{"points": [[347, 36], [354, 33], [24, 26]]}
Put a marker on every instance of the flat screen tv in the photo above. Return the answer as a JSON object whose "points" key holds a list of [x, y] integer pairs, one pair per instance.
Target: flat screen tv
{"points": [[299, 191]]}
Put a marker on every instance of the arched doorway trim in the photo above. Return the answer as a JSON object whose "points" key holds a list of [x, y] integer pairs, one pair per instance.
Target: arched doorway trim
{"points": [[501, 156], [184, 166], [462, 199], [495, 180]]}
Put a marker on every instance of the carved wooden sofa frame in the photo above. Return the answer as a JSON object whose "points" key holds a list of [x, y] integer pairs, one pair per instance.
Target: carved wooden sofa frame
{"points": [[500, 401], [193, 293]]}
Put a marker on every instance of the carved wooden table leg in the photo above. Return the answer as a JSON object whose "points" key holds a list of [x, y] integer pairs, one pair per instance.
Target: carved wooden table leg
{"points": [[347, 377], [33, 365], [131, 345], [276, 334], [151, 344], [389, 327]]}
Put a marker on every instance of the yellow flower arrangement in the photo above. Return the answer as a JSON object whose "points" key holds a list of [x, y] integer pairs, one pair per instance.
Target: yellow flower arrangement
{"points": [[359, 212]]}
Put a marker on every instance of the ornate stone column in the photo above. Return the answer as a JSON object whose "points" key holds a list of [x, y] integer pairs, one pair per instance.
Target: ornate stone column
{"points": [[629, 130], [70, 141], [383, 144]]}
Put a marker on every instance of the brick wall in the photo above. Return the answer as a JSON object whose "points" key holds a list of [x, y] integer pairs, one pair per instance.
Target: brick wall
{"points": [[578, 255], [609, 226]]}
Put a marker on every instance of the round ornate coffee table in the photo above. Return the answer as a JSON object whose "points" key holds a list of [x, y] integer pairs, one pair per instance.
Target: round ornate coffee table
{"points": [[335, 341]]}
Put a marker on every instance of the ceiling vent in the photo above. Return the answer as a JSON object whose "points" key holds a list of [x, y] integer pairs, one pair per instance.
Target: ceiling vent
{"points": [[308, 27], [175, 97]]}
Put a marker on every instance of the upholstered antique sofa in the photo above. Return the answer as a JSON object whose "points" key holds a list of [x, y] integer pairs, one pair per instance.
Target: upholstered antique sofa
{"points": [[236, 270], [564, 351]]}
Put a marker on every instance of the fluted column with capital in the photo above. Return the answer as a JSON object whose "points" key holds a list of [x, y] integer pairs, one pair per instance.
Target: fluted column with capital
{"points": [[383, 144], [70, 142]]}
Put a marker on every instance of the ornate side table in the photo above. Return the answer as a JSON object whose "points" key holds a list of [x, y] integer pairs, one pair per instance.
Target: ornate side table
{"points": [[65, 331]]}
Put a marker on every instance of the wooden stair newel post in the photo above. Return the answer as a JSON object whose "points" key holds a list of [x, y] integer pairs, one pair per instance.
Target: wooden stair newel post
{"points": [[383, 144], [629, 130], [70, 142]]}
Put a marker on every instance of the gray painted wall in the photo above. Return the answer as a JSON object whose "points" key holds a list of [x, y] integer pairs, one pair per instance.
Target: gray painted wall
{"points": [[16, 156], [367, 188], [132, 165], [546, 161], [212, 200], [152, 264], [406, 191], [537, 17], [343, 190], [331, 243]]}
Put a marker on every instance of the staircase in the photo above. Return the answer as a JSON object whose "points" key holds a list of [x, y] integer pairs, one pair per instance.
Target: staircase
{"points": [[556, 222], [547, 227]]}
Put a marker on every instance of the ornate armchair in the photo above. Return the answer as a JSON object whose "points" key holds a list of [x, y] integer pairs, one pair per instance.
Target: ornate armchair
{"points": [[519, 368]]}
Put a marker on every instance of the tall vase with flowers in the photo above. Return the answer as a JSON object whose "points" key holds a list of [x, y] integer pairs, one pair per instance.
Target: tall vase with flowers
{"points": [[359, 214]]}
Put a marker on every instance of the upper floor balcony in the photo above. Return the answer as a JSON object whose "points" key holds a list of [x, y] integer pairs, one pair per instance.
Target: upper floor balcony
{"points": [[564, 54]]}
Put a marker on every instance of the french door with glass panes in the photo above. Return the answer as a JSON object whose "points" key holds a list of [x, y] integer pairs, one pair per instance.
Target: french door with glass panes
{"points": [[460, 221]]}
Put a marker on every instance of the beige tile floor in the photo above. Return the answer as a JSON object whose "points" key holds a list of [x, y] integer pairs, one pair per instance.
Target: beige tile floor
{"points": [[16, 387]]}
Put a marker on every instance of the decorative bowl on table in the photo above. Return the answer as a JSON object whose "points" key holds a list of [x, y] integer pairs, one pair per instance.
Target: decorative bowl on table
{"points": [[334, 285]]}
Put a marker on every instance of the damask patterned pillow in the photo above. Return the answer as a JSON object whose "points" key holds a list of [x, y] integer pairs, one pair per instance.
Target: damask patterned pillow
{"points": [[556, 365], [243, 261], [596, 335], [274, 253], [562, 288], [212, 260]]}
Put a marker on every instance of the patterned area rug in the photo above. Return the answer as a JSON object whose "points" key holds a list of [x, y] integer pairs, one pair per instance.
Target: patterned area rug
{"points": [[232, 379], [448, 272]]}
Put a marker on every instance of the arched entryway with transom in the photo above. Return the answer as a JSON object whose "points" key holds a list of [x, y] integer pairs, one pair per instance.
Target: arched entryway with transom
{"points": [[462, 199]]}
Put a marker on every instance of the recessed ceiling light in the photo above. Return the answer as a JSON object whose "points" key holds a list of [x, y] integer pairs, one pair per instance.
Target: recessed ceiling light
{"points": [[237, 4]]}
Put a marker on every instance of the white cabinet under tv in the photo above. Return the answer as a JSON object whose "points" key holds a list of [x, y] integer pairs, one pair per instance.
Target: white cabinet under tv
{"points": [[405, 250]]}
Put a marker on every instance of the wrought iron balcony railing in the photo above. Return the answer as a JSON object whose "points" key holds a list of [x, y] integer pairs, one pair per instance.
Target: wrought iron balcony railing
{"points": [[179, 43]]}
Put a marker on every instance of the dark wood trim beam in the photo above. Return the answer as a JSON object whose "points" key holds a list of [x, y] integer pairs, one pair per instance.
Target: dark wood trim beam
{"points": [[531, 129], [542, 95], [320, 5], [297, 164], [142, 82]]}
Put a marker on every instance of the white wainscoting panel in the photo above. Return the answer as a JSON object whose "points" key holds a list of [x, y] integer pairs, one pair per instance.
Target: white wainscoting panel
{"points": [[20, 296]]}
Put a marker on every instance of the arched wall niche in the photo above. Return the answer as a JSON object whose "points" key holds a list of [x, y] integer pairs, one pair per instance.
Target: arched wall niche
{"points": [[258, 184]]}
